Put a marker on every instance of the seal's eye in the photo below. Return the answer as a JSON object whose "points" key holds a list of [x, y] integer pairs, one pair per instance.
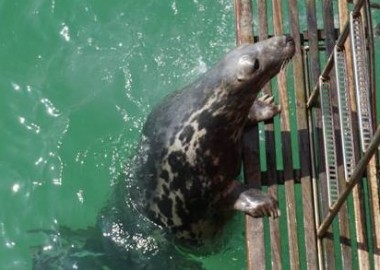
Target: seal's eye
{"points": [[256, 64]]}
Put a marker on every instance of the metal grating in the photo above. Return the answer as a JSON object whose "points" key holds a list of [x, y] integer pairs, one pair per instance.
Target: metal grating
{"points": [[361, 79], [329, 141], [344, 112]]}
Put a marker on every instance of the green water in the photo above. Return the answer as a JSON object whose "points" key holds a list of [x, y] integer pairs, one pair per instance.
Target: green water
{"points": [[77, 79]]}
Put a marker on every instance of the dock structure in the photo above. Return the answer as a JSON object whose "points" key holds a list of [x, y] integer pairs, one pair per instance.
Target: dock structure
{"points": [[320, 156]]}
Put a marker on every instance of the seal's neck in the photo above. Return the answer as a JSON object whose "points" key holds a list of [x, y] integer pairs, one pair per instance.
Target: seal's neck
{"points": [[226, 111]]}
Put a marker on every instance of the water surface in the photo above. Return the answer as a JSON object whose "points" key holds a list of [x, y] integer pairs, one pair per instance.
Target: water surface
{"points": [[77, 79]]}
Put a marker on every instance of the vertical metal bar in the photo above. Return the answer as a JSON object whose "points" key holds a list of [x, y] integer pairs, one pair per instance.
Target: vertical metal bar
{"points": [[344, 112], [373, 166], [361, 79], [313, 171], [314, 71], [329, 146]]}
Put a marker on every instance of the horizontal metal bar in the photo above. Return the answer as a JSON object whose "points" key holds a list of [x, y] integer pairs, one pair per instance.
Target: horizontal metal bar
{"points": [[355, 178]]}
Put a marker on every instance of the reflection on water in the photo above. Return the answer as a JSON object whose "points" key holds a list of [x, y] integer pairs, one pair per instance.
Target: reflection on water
{"points": [[76, 82]]}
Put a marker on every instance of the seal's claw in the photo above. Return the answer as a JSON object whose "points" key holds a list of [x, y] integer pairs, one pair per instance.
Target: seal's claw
{"points": [[263, 97], [263, 109], [268, 99], [257, 204]]}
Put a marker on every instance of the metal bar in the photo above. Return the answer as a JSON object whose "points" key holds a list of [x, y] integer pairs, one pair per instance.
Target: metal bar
{"points": [[344, 112], [361, 79], [318, 263], [371, 58], [314, 71], [355, 178], [329, 145], [372, 168], [330, 62], [314, 94], [357, 194]]}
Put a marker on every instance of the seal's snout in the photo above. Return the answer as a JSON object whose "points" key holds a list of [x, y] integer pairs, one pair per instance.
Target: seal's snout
{"points": [[284, 43], [289, 40], [288, 45]]}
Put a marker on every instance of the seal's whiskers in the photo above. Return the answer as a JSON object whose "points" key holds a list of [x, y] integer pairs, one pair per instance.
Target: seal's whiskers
{"points": [[284, 64]]}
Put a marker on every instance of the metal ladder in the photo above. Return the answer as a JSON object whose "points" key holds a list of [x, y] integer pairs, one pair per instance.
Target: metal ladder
{"points": [[369, 141]]}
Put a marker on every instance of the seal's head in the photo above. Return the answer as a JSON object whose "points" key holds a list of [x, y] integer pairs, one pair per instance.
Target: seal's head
{"points": [[253, 65]]}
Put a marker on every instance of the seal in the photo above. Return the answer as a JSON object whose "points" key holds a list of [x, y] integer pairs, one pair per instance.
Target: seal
{"points": [[190, 151], [183, 176]]}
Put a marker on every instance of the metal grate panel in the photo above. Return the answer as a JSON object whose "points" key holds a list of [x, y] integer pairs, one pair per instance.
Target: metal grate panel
{"points": [[344, 112], [329, 141], [361, 79]]}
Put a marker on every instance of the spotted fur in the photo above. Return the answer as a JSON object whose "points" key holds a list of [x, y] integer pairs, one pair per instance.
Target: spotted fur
{"points": [[190, 151]]}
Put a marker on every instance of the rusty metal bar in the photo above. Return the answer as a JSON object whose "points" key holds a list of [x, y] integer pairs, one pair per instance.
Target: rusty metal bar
{"points": [[355, 178]]}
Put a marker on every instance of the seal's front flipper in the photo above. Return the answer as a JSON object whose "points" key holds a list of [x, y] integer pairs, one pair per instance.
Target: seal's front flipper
{"points": [[262, 109], [251, 201], [257, 204]]}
